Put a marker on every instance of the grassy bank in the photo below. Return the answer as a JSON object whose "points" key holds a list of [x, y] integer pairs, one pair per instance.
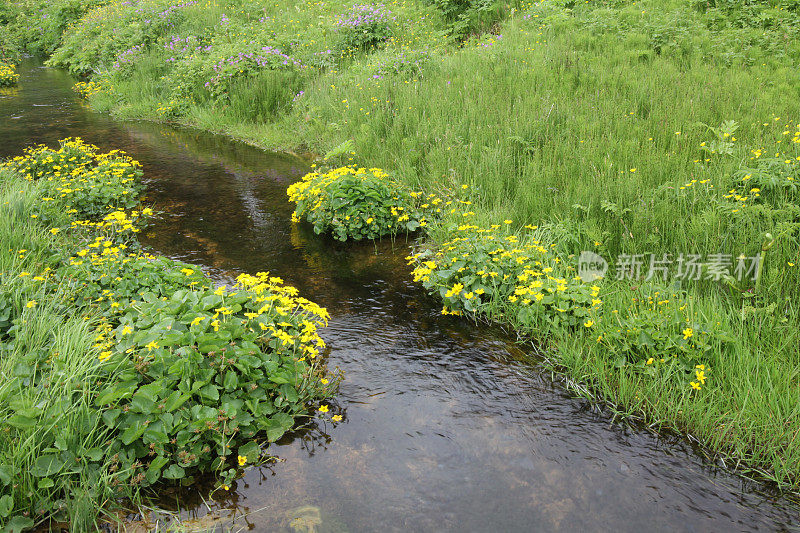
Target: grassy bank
{"points": [[50, 368], [125, 371], [628, 129]]}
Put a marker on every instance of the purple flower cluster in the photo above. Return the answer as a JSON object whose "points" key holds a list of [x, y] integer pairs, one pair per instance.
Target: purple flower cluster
{"points": [[267, 57], [127, 57], [182, 46], [361, 15]]}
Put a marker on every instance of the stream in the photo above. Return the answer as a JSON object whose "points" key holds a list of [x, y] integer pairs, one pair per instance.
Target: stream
{"points": [[447, 426]]}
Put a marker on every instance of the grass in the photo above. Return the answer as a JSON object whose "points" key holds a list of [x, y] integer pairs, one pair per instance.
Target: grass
{"points": [[593, 121], [57, 393]]}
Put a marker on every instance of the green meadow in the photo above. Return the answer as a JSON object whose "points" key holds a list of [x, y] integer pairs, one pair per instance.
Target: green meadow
{"points": [[650, 133]]}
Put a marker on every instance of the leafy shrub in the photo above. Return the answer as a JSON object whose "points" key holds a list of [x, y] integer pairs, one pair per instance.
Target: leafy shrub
{"points": [[111, 31], [365, 26], [489, 270], [654, 330], [107, 276], [88, 183], [516, 279], [8, 75], [205, 372], [37, 26], [354, 203], [467, 17]]}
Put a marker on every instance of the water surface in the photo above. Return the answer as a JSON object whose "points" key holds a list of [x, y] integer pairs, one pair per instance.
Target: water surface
{"points": [[446, 426]]}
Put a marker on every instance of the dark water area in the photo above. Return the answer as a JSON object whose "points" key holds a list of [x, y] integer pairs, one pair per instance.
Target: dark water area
{"points": [[447, 426]]}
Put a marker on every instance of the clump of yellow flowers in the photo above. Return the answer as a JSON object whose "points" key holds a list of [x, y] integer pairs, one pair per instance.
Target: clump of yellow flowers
{"points": [[354, 203], [8, 75]]}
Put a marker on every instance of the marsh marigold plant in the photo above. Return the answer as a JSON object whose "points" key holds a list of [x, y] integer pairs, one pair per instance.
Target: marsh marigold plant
{"points": [[354, 203]]}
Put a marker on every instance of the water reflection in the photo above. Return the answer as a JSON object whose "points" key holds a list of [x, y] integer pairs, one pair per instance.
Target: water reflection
{"points": [[446, 427]]}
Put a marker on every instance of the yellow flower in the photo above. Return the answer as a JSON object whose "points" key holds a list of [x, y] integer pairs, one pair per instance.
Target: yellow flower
{"points": [[220, 291], [695, 385], [701, 376], [323, 381], [589, 323], [688, 332], [242, 460], [196, 320], [369, 220], [104, 355], [323, 408], [54, 230], [336, 418], [151, 345], [126, 330], [187, 271], [31, 303], [650, 361]]}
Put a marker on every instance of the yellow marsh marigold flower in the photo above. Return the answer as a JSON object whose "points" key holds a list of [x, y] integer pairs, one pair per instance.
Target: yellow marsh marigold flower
{"points": [[336, 418], [695, 385], [31, 303], [242, 460], [323, 408], [687, 333]]}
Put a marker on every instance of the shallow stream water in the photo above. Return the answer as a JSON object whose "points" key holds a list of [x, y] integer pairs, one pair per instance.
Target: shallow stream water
{"points": [[446, 426]]}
